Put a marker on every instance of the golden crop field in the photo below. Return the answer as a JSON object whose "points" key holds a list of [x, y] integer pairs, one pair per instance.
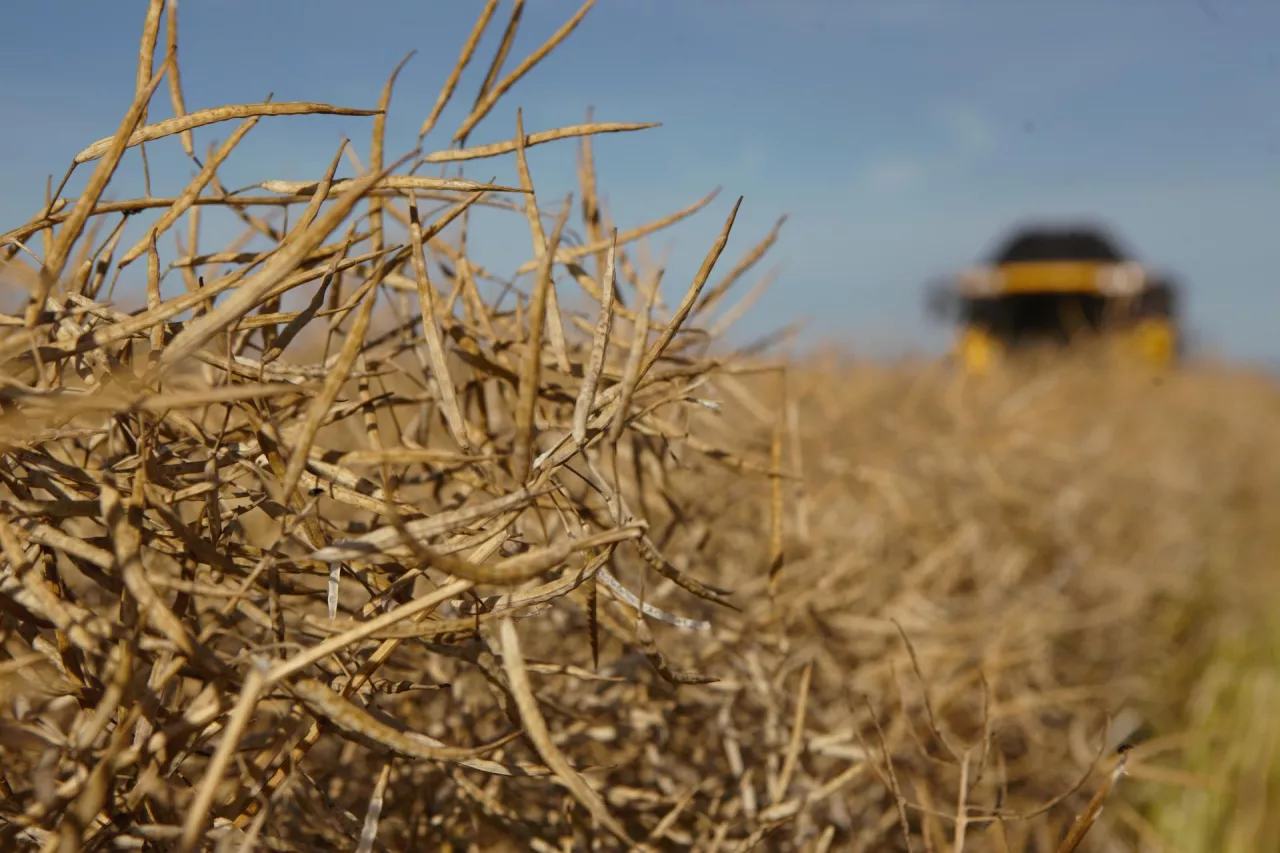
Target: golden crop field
{"points": [[331, 551]]}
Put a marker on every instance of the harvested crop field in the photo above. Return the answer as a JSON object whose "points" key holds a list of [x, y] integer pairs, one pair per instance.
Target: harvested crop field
{"points": [[349, 544]]}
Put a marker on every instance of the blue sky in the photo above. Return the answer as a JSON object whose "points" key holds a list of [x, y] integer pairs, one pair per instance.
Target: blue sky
{"points": [[901, 138]]}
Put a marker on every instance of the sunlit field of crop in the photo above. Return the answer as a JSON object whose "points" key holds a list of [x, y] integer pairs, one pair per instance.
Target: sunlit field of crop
{"points": [[341, 541]]}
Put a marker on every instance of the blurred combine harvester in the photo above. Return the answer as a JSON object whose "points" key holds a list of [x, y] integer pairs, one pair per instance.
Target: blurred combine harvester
{"points": [[1057, 286]]}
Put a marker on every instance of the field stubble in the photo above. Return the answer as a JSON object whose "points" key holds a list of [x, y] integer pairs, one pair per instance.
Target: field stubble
{"points": [[368, 574]]}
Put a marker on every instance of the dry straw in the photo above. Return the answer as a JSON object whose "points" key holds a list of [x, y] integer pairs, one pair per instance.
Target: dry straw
{"points": [[263, 568]]}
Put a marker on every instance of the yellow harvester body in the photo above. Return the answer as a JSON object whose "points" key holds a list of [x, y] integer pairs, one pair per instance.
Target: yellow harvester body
{"points": [[1058, 287]]}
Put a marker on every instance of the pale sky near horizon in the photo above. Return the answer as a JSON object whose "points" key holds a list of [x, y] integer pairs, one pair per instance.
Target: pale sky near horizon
{"points": [[901, 137]]}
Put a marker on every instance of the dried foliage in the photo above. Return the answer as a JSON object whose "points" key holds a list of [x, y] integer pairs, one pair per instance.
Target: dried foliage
{"points": [[406, 569]]}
